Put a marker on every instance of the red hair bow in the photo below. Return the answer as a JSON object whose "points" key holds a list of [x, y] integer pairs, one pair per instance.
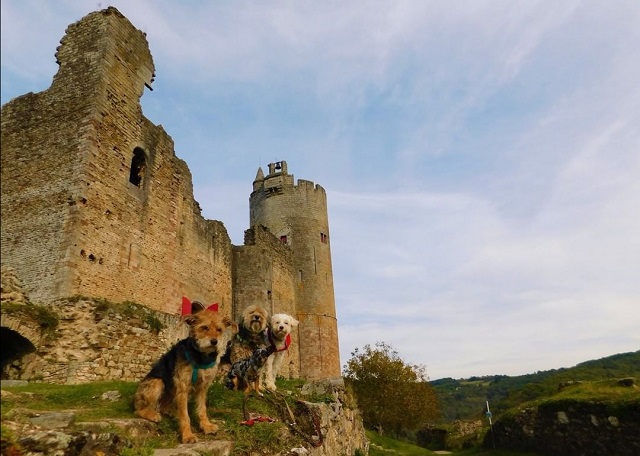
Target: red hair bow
{"points": [[188, 307]]}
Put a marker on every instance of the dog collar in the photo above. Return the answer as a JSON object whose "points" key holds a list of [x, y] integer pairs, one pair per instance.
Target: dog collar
{"points": [[196, 367], [287, 342]]}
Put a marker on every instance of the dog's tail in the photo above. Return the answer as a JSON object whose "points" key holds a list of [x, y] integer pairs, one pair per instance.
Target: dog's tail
{"points": [[229, 382]]}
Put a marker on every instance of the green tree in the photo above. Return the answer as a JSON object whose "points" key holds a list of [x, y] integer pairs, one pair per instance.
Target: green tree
{"points": [[392, 395]]}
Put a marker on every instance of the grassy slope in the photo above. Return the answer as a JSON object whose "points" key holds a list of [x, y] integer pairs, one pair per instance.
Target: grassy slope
{"points": [[385, 446], [465, 398], [224, 405]]}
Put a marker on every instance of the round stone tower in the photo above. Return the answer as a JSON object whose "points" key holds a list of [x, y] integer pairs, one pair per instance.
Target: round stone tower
{"points": [[297, 216]]}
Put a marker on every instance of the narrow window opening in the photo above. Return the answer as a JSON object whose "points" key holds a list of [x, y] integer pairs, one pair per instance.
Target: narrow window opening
{"points": [[138, 165], [283, 239]]}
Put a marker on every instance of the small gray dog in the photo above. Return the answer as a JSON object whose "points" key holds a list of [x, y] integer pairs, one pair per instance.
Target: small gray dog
{"points": [[245, 373]]}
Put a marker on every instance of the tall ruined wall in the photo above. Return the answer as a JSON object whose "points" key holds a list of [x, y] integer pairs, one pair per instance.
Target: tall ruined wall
{"points": [[297, 216], [43, 151], [96, 201]]}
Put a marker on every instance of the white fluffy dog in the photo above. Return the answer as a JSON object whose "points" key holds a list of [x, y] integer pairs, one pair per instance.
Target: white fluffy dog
{"points": [[280, 327]]}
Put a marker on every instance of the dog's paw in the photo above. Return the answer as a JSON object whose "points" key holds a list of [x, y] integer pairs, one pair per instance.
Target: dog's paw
{"points": [[149, 415], [209, 428], [271, 386], [188, 437]]}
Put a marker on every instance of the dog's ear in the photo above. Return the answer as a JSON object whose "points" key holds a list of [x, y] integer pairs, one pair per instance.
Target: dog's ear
{"points": [[229, 323], [196, 306], [294, 322], [190, 319]]}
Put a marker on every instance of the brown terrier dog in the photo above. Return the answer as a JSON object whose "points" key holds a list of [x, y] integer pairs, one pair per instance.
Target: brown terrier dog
{"points": [[190, 365], [252, 333]]}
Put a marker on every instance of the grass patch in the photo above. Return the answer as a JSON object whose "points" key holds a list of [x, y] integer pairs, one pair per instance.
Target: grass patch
{"points": [[380, 445], [485, 452], [129, 309], [605, 390], [617, 398], [385, 446], [224, 407], [85, 400], [45, 317]]}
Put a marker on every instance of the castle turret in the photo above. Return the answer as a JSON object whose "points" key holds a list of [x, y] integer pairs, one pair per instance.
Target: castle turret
{"points": [[297, 216]]}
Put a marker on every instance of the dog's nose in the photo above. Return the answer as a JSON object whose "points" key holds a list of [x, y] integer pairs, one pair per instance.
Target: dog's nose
{"points": [[281, 328], [214, 342]]}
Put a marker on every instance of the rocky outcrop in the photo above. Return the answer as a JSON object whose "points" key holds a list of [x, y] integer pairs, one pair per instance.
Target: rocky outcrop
{"points": [[341, 427], [454, 436], [328, 428], [571, 427]]}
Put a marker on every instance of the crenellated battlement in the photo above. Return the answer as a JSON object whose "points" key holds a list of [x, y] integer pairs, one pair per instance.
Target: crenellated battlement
{"points": [[279, 181]]}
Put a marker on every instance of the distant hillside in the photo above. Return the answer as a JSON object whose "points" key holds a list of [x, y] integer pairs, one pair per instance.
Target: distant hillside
{"points": [[464, 399]]}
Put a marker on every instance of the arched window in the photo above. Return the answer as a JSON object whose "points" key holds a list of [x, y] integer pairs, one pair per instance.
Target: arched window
{"points": [[138, 165]]}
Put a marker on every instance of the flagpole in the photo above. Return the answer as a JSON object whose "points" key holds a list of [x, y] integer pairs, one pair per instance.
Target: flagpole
{"points": [[490, 425]]}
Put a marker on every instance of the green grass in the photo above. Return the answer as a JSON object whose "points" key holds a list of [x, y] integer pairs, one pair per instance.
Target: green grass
{"points": [[224, 406], [83, 399], [485, 452], [385, 446], [606, 390], [380, 445], [618, 399]]}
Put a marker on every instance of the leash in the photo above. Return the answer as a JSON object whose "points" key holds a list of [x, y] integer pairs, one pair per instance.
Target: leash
{"points": [[292, 424], [196, 367]]}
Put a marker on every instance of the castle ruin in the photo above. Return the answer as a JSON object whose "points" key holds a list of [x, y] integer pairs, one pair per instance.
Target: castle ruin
{"points": [[96, 203]]}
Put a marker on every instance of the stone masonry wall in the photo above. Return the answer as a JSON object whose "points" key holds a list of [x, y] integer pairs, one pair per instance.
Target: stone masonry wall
{"points": [[95, 341], [38, 188], [264, 275], [571, 428]]}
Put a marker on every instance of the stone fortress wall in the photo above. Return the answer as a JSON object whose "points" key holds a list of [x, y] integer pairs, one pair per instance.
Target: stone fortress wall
{"points": [[96, 203]]}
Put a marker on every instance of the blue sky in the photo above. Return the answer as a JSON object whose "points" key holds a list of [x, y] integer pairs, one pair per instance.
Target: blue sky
{"points": [[481, 159]]}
